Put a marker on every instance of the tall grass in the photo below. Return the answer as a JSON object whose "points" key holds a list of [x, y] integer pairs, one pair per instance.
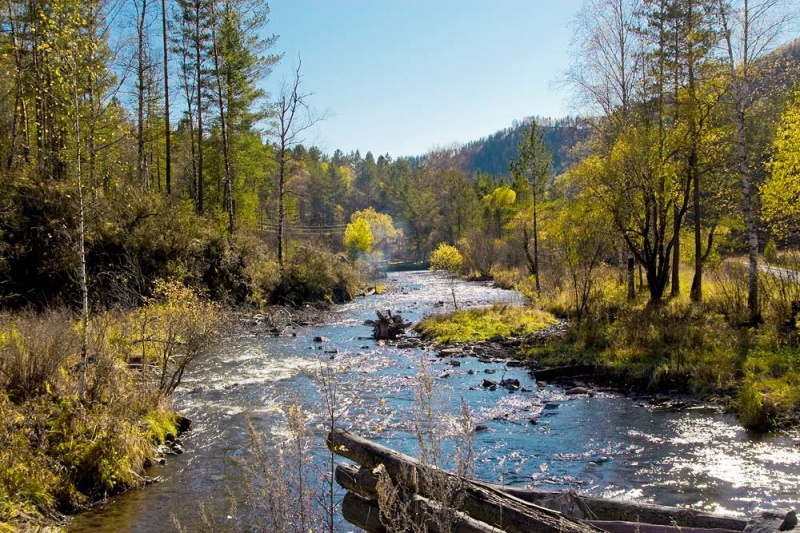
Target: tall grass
{"points": [[709, 349], [61, 450]]}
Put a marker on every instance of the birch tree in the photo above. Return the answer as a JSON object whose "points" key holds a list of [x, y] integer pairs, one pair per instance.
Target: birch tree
{"points": [[750, 29]]}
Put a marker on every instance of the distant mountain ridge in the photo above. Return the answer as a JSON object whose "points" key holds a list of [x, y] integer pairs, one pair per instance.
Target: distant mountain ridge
{"points": [[492, 154]]}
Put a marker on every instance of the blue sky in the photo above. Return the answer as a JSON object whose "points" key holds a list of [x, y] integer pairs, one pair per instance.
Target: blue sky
{"points": [[404, 76]]}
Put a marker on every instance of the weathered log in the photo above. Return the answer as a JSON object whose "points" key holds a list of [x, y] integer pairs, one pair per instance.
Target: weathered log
{"points": [[618, 526], [365, 513], [478, 500], [617, 510], [770, 521], [363, 482], [362, 512], [555, 372]]}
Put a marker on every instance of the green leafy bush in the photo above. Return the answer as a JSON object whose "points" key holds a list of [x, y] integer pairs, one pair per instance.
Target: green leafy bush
{"points": [[317, 275]]}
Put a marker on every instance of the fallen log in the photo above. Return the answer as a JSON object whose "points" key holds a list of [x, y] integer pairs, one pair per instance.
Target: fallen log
{"points": [[556, 372], [478, 500], [618, 510], [364, 482], [366, 514]]}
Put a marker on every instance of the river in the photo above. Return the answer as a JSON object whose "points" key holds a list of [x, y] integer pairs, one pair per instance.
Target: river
{"points": [[605, 444]]}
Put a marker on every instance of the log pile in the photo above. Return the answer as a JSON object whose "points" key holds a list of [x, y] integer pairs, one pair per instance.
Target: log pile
{"points": [[481, 507], [388, 326], [487, 508]]}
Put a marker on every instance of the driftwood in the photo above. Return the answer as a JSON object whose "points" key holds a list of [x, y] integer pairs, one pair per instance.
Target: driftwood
{"points": [[363, 482], [480, 501], [626, 511], [365, 513], [485, 507], [388, 326]]}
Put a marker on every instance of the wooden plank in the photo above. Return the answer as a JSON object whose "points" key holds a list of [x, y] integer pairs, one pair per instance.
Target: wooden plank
{"points": [[620, 510], [619, 526], [365, 513]]}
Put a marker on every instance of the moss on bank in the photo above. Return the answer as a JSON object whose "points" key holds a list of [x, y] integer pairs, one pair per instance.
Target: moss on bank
{"points": [[484, 323]]}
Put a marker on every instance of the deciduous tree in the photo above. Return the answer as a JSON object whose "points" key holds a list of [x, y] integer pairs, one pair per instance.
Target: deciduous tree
{"points": [[535, 162]]}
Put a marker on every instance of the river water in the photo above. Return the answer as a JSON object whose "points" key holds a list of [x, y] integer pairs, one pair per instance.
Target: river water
{"points": [[605, 444]]}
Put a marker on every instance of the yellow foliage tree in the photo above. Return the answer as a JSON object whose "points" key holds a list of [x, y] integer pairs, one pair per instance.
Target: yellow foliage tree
{"points": [[358, 238], [780, 194]]}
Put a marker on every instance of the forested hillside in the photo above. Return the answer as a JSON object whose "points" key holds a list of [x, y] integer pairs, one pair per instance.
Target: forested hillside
{"points": [[491, 154]]}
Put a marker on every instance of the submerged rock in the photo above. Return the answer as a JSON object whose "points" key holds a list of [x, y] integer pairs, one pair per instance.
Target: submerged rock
{"points": [[510, 384], [576, 390]]}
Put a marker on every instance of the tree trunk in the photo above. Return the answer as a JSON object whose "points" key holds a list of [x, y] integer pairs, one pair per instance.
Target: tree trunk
{"points": [[536, 242], [84, 282], [167, 134], [631, 278], [281, 209], [199, 74], [140, 74], [676, 253], [740, 75], [226, 155], [749, 218]]}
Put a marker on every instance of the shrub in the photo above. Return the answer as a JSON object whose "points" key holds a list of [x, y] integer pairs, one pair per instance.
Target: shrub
{"points": [[317, 275], [446, 257], [33, 349], [65, 442], [169, 332]]}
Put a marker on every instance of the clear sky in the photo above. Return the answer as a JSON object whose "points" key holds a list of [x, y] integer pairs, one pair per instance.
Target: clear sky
{"points": [[404, 76]]}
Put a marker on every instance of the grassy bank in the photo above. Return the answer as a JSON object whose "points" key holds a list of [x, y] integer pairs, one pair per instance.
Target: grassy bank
{"points": [[706, 349], [75, 430], [484, 323]]}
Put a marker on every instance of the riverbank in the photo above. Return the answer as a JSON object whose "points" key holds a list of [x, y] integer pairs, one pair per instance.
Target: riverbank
{"points": [[82, 422], [671, 356]]}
